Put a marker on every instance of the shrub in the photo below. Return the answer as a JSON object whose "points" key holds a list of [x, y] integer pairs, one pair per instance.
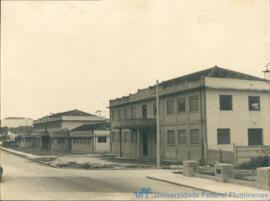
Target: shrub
{"points": [[261, 161]]}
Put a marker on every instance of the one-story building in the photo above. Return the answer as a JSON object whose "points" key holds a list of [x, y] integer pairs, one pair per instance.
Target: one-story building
{"points": [[50, 131], [91, 138], [26, 141]]}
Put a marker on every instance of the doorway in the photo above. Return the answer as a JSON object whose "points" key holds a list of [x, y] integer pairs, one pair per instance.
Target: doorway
{"points": [[144, 145]]}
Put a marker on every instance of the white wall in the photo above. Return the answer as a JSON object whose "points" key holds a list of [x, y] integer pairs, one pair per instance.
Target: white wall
{"points": [[240, 118], [102, 147]]}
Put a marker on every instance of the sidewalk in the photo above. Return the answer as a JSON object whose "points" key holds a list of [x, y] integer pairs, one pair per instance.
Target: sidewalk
{"points": [[32, 157], [205, 184]]}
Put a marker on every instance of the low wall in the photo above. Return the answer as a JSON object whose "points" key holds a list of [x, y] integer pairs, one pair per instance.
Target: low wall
{"points": [[220, 155]]}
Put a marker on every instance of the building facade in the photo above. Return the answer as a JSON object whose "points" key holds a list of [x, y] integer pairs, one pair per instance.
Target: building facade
{"points": [[52, 132], [208, 110], [91, 138]]}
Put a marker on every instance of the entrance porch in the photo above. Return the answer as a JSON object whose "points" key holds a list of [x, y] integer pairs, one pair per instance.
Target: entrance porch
{"points": [[135, 143]]}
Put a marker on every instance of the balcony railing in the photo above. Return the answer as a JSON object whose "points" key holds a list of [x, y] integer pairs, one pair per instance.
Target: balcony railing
{"points": [[134, 123]]}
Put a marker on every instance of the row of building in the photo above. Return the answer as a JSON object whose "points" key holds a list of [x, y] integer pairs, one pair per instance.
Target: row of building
{"points": [[207, 110], [71, 131]]}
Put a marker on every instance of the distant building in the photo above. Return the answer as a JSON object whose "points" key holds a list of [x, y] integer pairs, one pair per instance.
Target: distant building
{"points": [[91, 138], [52, 131], [203, 111], [19, 131], [13, 122]]}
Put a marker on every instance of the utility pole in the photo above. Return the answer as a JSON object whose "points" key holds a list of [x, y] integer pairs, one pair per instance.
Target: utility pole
{"points": [[158, 129]]}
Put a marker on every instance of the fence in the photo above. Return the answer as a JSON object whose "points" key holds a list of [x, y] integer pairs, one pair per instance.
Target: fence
{"points": [[246, 153], [239, 154]]}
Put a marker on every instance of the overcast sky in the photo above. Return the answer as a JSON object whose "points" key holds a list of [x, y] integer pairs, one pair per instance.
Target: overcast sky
{"points": [[58, 56]]}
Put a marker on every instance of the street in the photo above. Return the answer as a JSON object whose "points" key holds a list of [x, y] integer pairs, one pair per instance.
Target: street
{"points": [[24, 179]]}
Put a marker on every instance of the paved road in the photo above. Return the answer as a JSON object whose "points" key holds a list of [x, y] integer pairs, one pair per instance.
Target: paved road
{"points": [[27, 180]]}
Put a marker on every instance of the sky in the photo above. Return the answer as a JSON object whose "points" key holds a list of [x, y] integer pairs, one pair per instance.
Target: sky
{"points": [[63, 55]]}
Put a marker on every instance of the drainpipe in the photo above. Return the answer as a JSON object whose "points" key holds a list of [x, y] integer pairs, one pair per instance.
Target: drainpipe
{"points": [[158, 127], [203, 120], [94, 140]]}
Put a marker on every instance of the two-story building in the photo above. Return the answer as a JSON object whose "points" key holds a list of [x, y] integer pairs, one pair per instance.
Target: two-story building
{"points": [[206, 110], [52, 132]]}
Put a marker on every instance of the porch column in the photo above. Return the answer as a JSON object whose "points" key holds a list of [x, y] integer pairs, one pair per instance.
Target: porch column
{"points": [[138, 142], [40, 145], [120, 140]]}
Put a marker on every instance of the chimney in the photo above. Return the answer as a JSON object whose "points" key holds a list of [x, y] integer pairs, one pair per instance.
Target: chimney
{"points": [[267, 72]]}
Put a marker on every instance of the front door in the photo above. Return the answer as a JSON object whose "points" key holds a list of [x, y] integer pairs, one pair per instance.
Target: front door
{"points": [[144, 145]]}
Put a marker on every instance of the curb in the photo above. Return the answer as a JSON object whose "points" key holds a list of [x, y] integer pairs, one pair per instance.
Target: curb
{"points": [[55, 166], [26, 157], [178, 184]]}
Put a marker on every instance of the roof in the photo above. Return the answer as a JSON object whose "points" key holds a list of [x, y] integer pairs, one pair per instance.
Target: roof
{"points": [[74, 112], [94, 126], [214, 72], [18, 118]]}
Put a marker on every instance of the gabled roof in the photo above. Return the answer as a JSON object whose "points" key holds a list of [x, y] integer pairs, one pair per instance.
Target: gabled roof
{"points": [[73, 113], [214, 72], [94, 126]]}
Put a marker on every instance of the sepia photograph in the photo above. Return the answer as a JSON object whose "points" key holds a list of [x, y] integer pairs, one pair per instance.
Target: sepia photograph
{"points": [[135, 100]]}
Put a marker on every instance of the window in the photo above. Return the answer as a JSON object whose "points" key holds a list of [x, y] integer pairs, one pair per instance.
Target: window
{"points": [[144, 111], [133, 112], [182, 136], [120, 113], [102, 139], [127, 137], [170, 138], [194, 135], [181, 105], [126, 115], [60, 140], [86, 140], [115, 137], [134, 137], [194, 103], [223, 136], [81, 140], [154, 109], [170, 106], [225, 102], [255, 136], [254, 103], [114, 115]]}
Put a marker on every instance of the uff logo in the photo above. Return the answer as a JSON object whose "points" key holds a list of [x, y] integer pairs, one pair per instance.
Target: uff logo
{"points": [[143, 192]]}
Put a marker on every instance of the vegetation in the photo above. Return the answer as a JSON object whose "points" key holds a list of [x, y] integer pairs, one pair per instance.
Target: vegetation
{"points": [[261, 161]]}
